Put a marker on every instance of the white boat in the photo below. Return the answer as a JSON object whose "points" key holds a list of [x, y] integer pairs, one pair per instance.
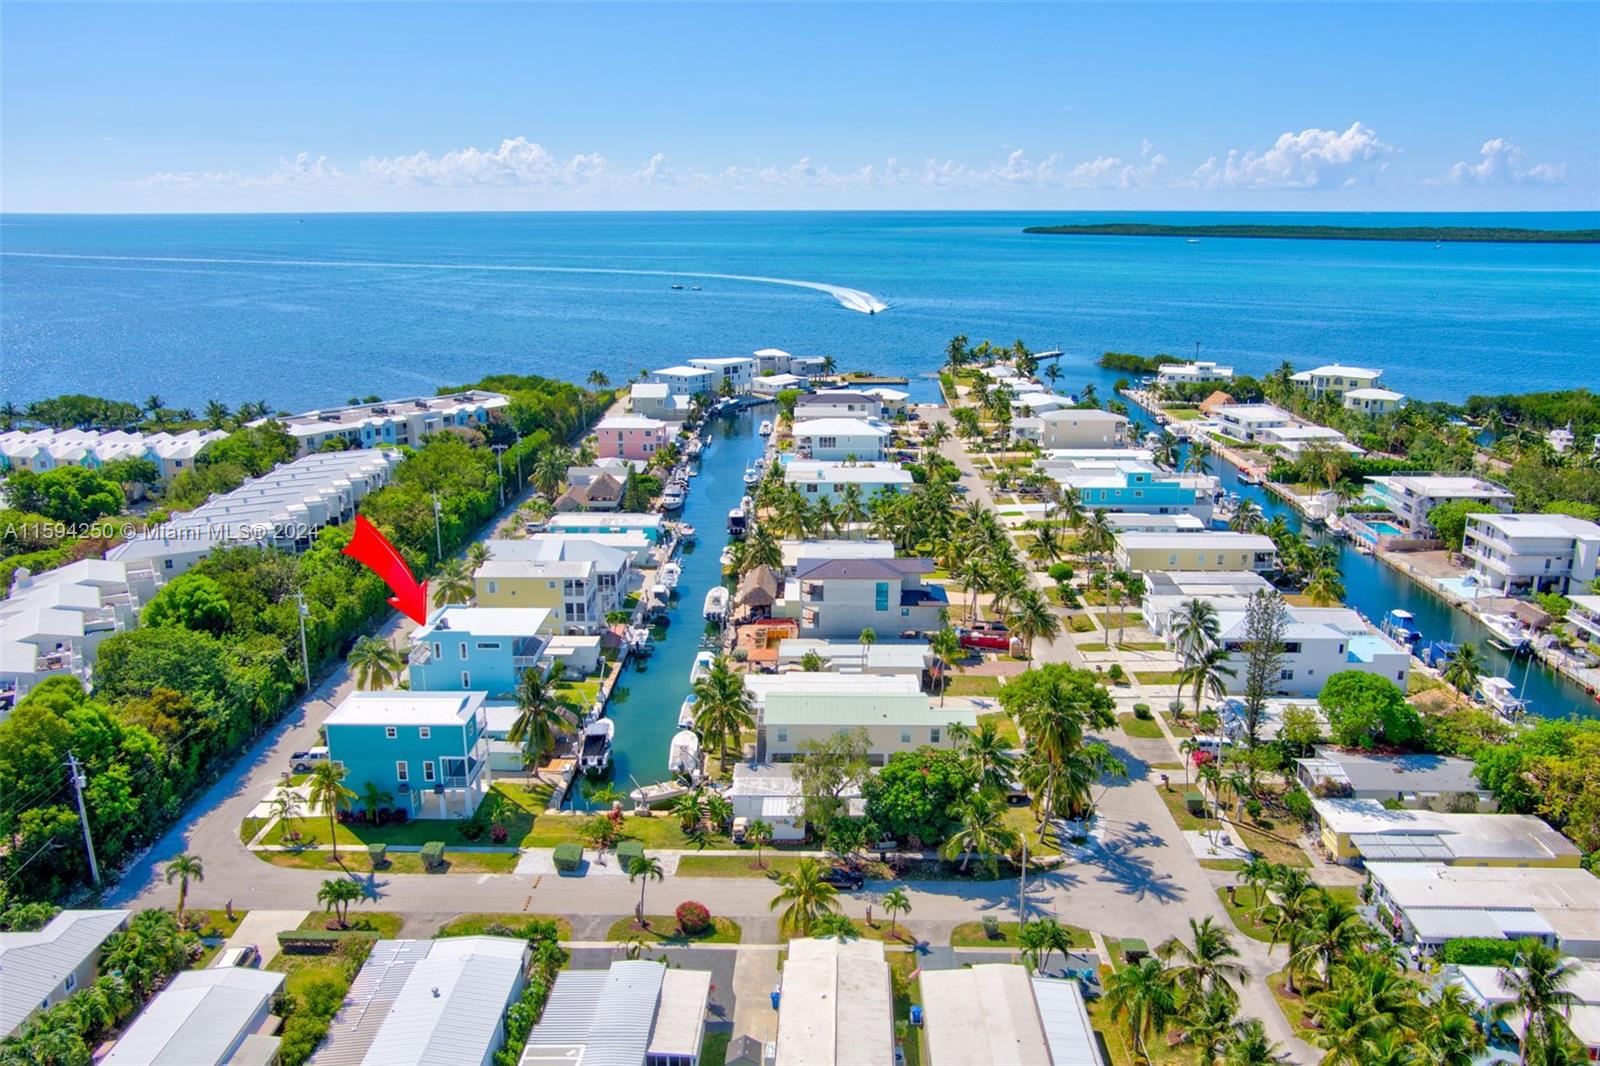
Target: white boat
{"points": [[716, 606], [649, 795], [594, 746], [686, 534], [686, 711], [702, 666], [667, 577], [736, 522], [1402, 626], [1501, 697], [683, 756], [726, 558], [752, 473], [1505, 632], [672, 496], [766, 429], [639, 640], [1192, 240]]}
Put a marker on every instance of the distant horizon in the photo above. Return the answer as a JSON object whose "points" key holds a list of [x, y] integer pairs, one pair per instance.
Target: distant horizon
{"points": [[797, 211]]}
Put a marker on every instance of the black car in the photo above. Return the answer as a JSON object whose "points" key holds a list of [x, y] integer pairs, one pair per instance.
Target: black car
{"points": [[840, 877]]}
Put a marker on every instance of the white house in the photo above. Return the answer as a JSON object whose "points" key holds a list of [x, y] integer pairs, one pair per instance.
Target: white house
{"points": [[637, 1012], [1318, 642], [214, 1017], [1409, 497], [999, 1013], [1135, 522], [46, 449], [390, 423], [1165, 591], [1245, 421], [687, 380], [1294, 439], [1335, 379], [1210, 550], [54, 622], [41, 968], [769, 385], [1029, 430], [1081, 427], [840, 438], [797, 553], [729, 373], [655, 399], [818, 480], [881, 657], [837, 403], [1519, 553], [835, 1005], [833, 598], [894, 722], [1037, 403], [1192, 373], [771, 793], [1373, 401], [1433, 902]]}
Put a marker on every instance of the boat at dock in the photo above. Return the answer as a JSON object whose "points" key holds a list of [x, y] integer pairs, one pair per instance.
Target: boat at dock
{"points": [[1500, 695], [1506, 633], [650, 795], [639, 640], [687, 534], [683, 757], [594, 746], [716, 605], [686, 711], [673, 495], [736, 522], [703, 661], [1401, 626], [667, 577], [766, 429]]}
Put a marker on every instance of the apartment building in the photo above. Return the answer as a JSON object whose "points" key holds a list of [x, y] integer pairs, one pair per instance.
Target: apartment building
{"points": [[389, 423], [730, 374], [1409, 497], [632, 437], [1525, 553], [1335, 379]]}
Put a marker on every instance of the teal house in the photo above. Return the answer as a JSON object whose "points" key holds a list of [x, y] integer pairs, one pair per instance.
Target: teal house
{"points": [[428, 750], [477, 649]]}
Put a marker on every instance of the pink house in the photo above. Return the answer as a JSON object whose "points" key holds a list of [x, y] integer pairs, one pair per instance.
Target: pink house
{"points": [[631, 437]]}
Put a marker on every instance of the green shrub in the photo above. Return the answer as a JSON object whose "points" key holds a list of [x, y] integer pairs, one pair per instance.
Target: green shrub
{"points": [[309, 941], [1142, 711], [1480, 951], [1196, 803], [433, 854], [991, 927], [568, 857], [1115, 672], [379, 854], [301, 1035], [627, 851], [1299, 805], [693, 918]]}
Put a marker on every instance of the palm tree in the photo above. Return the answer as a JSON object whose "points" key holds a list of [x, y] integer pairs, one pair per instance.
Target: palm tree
{"points": [[1537, 981], [1207, 964], [989, 760], [1463, 668], [452, 584], [1144, 992], [895, 902], [983, 830], [373, 797], [476, 555], [1040, 938], [285, 808], [1333, 931], [722, 707], [1195, 461], [1209, 1022], [336, 894], [327, 790], [868, 637], [1449, 1031], [1206, 672], [1246, 517], [183, 869], [804, 897], [759, 833], [1194, 627], [1032, 618], [1097, 537], [375, 663], [688, 810], [540, 714], [1250, 1046], [644, 868], [216, 414], [946, 648], [852, 508], [1325, 588]]}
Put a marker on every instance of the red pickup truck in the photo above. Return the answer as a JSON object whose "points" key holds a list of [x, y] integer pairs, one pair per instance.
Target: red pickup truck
{"points": [[987, 639]]}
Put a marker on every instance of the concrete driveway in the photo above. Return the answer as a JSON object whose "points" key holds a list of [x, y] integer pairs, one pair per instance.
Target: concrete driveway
{"points": [[261, 928]]}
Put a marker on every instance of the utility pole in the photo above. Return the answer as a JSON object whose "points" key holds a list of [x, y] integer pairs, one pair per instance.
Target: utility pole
{"points": [[1022, 888], [500, 473], [78, 781], [438, 537], [305, 658]]}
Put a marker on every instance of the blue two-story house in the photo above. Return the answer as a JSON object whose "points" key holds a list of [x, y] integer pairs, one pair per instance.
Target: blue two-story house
{"points": [[482, 649], [429, 750], [1135, 487]]}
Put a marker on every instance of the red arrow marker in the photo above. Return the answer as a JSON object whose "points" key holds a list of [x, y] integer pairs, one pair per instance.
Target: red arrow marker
{"points": [[373, 551]]}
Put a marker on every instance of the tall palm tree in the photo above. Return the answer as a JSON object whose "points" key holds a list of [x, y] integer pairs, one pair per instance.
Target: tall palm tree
{"points": [[1031, 618], [1206, 672], [1449, 1031], [375, 663], [1097, 537], [1463, 668], [895, 902], [1041, 938], [1195, 461], [644, 869], [452, 584], [804, 897], [1539, 983], [327, 791], [983, 830], [1325, 588], [852, 507], [285, 808], [1143, 992], [1333, 932], [946, 648], [1195, 628], [183, 869], [989, 761], [1209, 1022], [477, 554], [1207, 964], [722, 706], [541, 715], [1250, 1046], [1246, 517]]}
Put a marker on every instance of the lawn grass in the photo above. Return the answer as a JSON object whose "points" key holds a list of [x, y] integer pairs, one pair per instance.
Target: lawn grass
{"points": [[405, 862], [663, 929], [1004, 726], [1293, 1006], [973, 685], [1094, 646], [249, 828], [1143, 728], [714, 1046], [1020, 820], [971, 935], [1182, 414], [387, 924], [1178, 729], [736, 865], [907, 992], [1266, 841], [215, 923], [1173, 798], [1080, 624], [1158, 677], [478, 922]]}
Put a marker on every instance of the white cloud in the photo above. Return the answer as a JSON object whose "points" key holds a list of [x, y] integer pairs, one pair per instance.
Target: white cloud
{"points": [[1502, 162], [517, 161], [1311, 159], [302, 171]]}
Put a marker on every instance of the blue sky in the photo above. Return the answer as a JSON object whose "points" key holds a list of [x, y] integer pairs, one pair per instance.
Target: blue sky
{"points": [[224, 107]]}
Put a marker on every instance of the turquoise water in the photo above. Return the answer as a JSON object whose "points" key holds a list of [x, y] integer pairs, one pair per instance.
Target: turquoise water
{"points": [[308, 312], [1386, 529]]}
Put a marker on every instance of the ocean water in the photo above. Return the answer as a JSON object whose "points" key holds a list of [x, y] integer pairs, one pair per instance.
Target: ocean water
{"points": [[306, 312]]}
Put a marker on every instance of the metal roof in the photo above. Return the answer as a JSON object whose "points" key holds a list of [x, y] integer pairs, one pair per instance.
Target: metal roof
{"points": [[1066, 1023], [836, 1006], [614, 1017], [860, 709], [33, 965], [982, 1013], [199, 1019], [818, 569]]}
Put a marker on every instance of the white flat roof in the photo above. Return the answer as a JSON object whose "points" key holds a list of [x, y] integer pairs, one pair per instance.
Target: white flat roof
{"points": [[1082, 414], [1375, 394], [1222, 540], [198, 1019], [483, 621], [839, 427], [1463, 836], [611, 519], [1340, 370], [1539, 525], [838, 473], [1251, 412], [630, 422], [983, 1014], [1438, 486], [405, 708], [836, 1007]]}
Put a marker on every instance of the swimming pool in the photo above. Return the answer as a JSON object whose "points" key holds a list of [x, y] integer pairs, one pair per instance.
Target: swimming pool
{"points": [[1386, 529]]}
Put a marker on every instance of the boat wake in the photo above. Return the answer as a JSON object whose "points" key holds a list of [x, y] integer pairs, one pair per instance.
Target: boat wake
{"points": [[850, 299]]}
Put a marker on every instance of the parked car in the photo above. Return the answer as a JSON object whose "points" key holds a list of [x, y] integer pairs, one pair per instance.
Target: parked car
{"points": [[303, 762], [245, 956], [985, 640], [841, 877]]}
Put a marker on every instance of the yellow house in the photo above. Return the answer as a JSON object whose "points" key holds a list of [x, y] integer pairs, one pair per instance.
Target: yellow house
{"points": [[1364, 829], [1206, 551]]}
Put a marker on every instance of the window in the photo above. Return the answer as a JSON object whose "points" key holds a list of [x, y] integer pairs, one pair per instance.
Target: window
{"points": [[438, 650], [390, 732], [423, 732], [463, 651], [812, 489], [783, 735], [1172, 560], [427, 770], [934, 733], [466, 679], [493, 587], [1285, 675], [881, 597], [402, 772], [71, 982], [827, 442], [488, 645], [905, 736]]}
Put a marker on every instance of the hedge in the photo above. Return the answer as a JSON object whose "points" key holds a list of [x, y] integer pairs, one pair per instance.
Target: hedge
{"points": [[316, 941], [433, 854], [568, 857], [1480, 951], [627, 851]]}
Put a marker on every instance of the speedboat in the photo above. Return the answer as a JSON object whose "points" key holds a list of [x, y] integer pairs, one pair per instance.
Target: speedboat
{"points": [[716, 606], [594, 746], [679, 287], [736, 522], [726, 558], [686, 534], [1501, 697], [672, 496], [765, 429], [639, 640], [686, 711], [752, 474], [702, 666], [1402, 626], [667, 577], [683, 756], [1505, 632]]}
